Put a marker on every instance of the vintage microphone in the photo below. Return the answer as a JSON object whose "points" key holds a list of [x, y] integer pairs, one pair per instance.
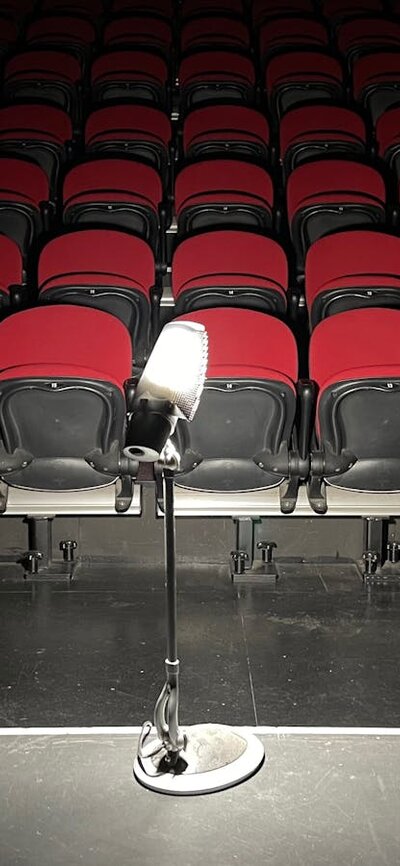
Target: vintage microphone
{"points": [[199, 758]]}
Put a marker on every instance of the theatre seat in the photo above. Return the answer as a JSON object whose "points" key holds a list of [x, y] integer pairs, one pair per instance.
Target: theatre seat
{"points": [[330, 195], [338, 10], [102, 268], [25, 208], [376, 82], [191, 8], [42, 133], [355, 361], [352, 269], [262, 10], [73, 33], [230, 268], [205, 31], [115, 193], [387, 132], [295, 77], [365, 34], [294, 31], [162, 8], [247, 409], [230, 130], [215, 76], [224, 193], [51, 76], [62, 401], [129, 75], [11, 272], [90, 9], [313, 131], [138, 31], [141, 131]]}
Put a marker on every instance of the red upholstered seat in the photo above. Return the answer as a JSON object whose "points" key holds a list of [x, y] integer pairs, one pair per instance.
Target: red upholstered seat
{"points": [[113, 75], [337, 9], [223, 190], [387, 134], [103, 268], [163, 8], [245, 344], [376, 81], [62, 400], [203, 32], [332, 194], [42, 65], [39, 132], [292, 32], [352, 269], [232, 268], [96, 257], [138, 30], [215, 75], [89, 8], [264, 9], [42, 338], [355, 360], [192, 8], [24, 190], [11, 268], [119, 192], [366, 34], [141, 130], [248, 403], [360, 344], [61, 29], [224, 128], [302, 76], [320, 130]]}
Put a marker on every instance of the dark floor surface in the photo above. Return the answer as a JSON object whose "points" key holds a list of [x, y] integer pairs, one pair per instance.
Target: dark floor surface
{"points": [[317, 649], [317, 801]]}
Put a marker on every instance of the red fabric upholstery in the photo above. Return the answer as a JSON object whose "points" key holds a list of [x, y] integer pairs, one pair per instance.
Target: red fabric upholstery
{"points": [[16, 8], [376, 69], [263, 9], [352, 259], [334, 181], [65, 340], [300, 66], [96, 257], [231, 258], [10, 264], [129, 65], [358, 344], [30, 121], [245, 344], [320, 123], [149, 7], [223, 180], [138, 30], [206, 31], [387, 130], [224, 122], [90, 8], [23, 181], [216, 66], [362, 32], [292, 32], [348, 8], [129, 122], [47, 65], [61, 28], [121, 180], [197, 7]]}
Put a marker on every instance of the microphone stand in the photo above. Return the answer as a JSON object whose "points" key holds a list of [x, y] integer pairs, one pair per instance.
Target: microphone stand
{"points": [[200, 758]]}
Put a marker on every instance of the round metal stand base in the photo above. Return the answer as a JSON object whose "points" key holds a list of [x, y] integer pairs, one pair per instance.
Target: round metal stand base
{"points": [[214, 757]]}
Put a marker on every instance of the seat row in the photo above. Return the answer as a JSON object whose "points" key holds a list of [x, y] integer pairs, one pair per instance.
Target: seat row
{"points": [[66, 404]]}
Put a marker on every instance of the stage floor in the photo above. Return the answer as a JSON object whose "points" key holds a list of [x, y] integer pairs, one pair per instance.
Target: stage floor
{"points": [[317, 648], [319, 800]]}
